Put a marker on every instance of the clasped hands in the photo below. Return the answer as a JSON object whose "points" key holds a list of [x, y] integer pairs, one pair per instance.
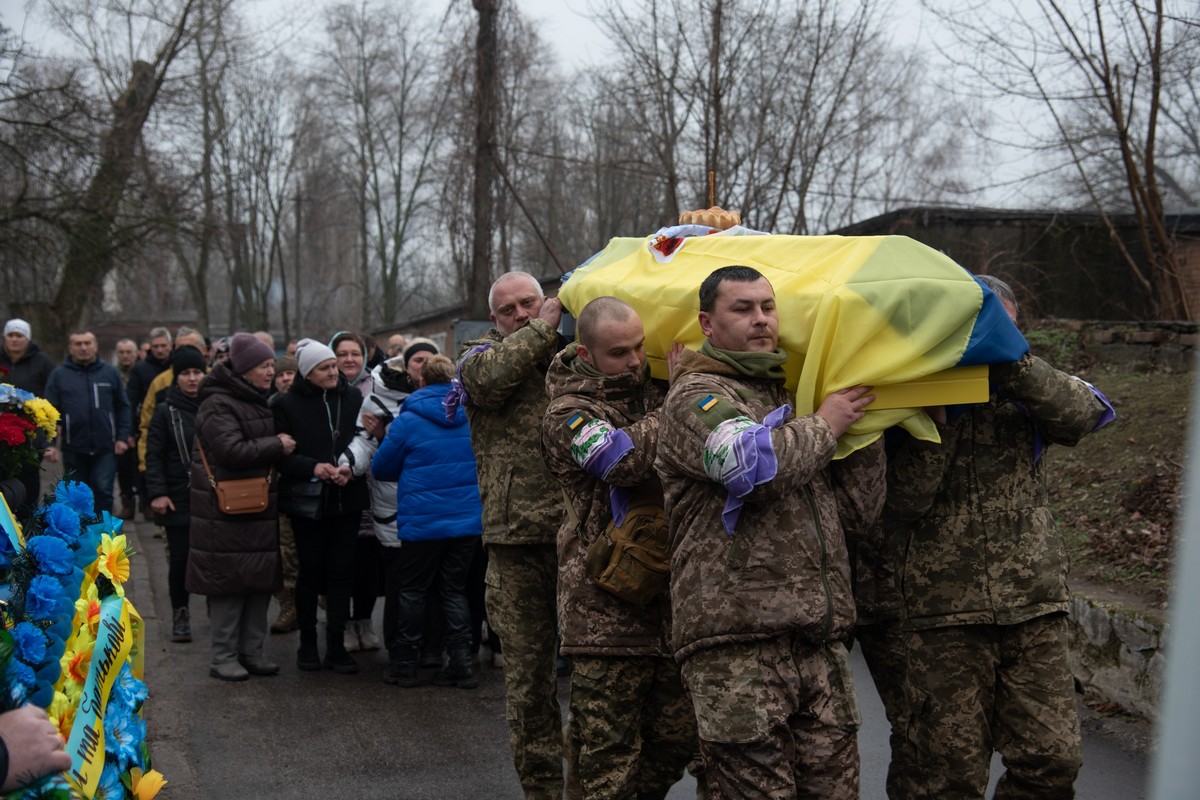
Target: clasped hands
{"points": [[339, 476]]}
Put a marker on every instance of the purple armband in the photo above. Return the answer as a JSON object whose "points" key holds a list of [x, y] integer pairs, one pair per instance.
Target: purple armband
{"points": [[457, 396]]}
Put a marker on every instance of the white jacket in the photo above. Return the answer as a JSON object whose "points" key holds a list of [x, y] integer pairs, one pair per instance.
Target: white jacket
{"points": [[385, 403]]}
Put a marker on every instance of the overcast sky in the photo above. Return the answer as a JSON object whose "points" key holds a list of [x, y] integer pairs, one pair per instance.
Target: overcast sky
{"points": [[566, 24]]}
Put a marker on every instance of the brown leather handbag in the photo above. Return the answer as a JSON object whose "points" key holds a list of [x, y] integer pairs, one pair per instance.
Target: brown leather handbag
{"points": [[239, 495]]}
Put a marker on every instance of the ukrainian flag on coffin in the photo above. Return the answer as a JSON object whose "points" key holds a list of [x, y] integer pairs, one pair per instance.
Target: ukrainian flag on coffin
{"points": [[884, 311]]}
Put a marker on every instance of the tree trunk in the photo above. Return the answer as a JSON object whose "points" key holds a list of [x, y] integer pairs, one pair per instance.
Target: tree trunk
{"points": [[479, 280], [90, 240]]}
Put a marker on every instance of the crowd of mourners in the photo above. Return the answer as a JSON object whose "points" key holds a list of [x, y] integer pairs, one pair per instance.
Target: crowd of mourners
{"points": [[689, 551]]}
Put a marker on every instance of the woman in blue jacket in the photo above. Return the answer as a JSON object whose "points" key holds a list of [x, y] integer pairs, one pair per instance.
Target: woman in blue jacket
{"points": [[439, 518]]}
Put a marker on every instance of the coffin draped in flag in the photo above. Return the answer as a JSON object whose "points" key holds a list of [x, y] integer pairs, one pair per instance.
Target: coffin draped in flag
{"points": [[882, 311]]}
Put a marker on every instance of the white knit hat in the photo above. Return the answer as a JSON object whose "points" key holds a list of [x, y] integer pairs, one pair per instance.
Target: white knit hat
{"points": [[18, 326], [309, 353]]}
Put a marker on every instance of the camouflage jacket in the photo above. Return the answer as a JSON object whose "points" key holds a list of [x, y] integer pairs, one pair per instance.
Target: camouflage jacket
{"points": [[592, 621], [967, 520], [506, 388], [785, 567]]}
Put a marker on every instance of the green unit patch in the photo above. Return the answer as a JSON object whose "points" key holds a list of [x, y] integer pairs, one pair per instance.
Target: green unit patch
{"points": [[713, 410]]}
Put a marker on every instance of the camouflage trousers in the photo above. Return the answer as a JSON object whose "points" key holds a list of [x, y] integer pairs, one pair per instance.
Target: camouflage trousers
{"points": [[975, 688], [287, 552], [883, 648], [520, 597], [777, 719], [633, 725]]}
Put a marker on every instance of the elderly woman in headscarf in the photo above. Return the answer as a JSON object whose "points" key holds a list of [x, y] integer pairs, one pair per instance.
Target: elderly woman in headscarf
{"points": [[323, 499], [234, 558]]}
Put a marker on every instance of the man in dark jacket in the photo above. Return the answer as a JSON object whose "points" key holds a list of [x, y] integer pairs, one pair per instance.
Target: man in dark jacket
{"points": [[95, 424], [29, 369], [156, 360]]}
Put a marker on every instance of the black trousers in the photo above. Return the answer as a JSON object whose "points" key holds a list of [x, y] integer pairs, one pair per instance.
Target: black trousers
{"points": [[444, 560], [325, 552], [178, 544]]}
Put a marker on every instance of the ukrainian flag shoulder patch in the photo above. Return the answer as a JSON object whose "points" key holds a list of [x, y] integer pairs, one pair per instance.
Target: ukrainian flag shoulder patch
{"points": [[574, 421], [708, 403]]}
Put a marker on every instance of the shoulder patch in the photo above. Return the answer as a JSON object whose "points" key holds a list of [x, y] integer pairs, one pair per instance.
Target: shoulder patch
{"points": [[713, 409], [576, 420]]}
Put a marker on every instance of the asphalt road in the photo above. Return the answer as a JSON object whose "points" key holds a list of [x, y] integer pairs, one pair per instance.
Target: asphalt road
{"points": [[317, 735]]}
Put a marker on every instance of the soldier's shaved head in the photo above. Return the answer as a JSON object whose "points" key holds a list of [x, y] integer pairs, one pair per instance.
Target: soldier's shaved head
{"points": [[598, 311]]}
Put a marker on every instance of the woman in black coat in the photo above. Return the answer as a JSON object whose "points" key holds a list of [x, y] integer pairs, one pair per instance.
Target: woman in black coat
{"points": [[168, 462], [234, 558], [322, 498]]}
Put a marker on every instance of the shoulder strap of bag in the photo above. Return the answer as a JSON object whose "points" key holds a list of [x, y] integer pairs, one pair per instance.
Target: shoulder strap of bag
{"points": [[208, 471]]}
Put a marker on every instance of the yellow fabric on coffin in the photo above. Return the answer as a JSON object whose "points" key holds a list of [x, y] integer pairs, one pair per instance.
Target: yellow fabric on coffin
{"points": [[878, 311]]}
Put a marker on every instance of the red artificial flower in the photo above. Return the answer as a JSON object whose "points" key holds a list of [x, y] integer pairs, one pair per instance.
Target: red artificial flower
{"points": [[3, 370], [13, 429]]}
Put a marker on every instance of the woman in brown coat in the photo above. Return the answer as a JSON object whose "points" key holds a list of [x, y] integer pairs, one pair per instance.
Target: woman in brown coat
{"points": [[234, 558]]}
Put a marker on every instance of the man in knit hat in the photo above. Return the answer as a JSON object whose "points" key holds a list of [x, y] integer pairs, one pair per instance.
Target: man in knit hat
{"points": [[28, 368]]}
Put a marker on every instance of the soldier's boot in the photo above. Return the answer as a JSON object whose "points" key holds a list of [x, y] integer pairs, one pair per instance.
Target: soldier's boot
{"points": [[459, 671], [286, 621], [401, 669]]}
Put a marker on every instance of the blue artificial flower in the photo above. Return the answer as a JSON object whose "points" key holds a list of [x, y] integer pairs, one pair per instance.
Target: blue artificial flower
{"points": [[77, 496], [44, 598], [110, 786], [20, 679], [30, 643], [61, 520], [55, 646], [131, 691], [89, 547], [124, 733], [52, 555], [14, 396]]}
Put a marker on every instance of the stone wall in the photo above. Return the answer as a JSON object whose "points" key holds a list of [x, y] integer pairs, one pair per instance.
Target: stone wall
{"points": [[1117, 651]]}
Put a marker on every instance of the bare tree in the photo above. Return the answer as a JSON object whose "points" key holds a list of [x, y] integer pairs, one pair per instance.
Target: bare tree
{"points": [[91, 232], [1118, 81]]}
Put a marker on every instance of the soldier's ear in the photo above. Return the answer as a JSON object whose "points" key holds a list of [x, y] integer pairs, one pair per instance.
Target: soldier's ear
{"points": [[582, 352], [705, 324]]}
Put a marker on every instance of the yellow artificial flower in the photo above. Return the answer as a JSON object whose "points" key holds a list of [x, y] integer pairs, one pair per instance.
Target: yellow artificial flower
{"points": [[146, 786], [114, 560], [45, 415], [75, 664], [62, 713], [87, 610]]}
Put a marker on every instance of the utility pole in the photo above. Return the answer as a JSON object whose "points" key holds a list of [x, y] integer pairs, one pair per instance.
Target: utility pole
{"points": [[479, 279]]}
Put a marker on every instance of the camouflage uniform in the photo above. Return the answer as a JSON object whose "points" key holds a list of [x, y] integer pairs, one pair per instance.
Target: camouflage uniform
{"points": [[504, 378], [631, 717], [983, 578], [760, 614], [880, 635]]}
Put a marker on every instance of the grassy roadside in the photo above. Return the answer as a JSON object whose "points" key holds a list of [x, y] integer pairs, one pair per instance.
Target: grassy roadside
{"points": [[1116, 494]]}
